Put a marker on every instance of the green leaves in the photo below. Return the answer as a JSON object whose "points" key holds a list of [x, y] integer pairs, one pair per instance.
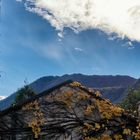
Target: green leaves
{"points": [[23, 94], [131, 100]]}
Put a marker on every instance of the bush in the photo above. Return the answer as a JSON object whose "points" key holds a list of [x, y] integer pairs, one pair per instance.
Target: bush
{"points": [[23, 94], [131, 100]]}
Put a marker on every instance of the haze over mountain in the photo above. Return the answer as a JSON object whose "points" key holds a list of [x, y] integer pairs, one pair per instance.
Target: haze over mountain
{"points": [[112, 87]]}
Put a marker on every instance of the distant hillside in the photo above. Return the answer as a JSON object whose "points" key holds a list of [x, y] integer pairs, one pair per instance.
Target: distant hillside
{"points": [[112, 87], [93, 81]]}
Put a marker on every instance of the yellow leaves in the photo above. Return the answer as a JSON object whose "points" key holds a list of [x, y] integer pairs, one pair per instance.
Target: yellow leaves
{"points": [[82, 96], [91, 90], [108, 110], [37, 118], [65, 98], [138, 127], [127, 131], [89, 110], [31, 106], [118, 137], [105, 137], [35, 129], [75, 84], [88, 126], [106, 115], [70, 97], [117, 111], [104, 109], [137, 134], [98, 94], [97, 126]]}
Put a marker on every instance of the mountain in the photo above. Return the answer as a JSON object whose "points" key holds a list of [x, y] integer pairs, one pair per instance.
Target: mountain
{"points": [[112, 87], [93, 81]]}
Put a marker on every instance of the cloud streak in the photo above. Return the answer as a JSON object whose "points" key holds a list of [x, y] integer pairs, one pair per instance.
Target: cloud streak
{"points": [[78, 49], [121, 17]]}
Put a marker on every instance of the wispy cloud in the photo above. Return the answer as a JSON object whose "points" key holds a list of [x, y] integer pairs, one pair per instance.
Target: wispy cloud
{"points": [[113, 16], [19, 0], [129, 45], [78, 49], [52, 51]]}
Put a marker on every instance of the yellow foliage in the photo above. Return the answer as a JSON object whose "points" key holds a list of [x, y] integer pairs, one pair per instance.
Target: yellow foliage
{"points": [[105, 137], [137, 134], [98, 94], [88, 126], [69, 97], [37, 119], [75, 84], [127, 131], [82, 96], [108, 110], [118, 137], [65, 98], [89, 110], [97, 126]]}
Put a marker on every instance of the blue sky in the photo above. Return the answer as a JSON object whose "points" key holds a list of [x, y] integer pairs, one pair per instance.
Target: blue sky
{"points": [[30, 48]]}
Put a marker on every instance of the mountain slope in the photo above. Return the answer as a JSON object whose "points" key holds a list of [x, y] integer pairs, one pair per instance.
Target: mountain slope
{"points": [[93, 81], [112, 87]]}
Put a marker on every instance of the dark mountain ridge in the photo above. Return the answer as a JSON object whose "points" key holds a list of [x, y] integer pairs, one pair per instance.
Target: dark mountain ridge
{"points": [[93, 81], [112, 87]]}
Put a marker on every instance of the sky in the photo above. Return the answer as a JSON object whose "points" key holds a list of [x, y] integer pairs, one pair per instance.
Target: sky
{"points": [[56, 37]]}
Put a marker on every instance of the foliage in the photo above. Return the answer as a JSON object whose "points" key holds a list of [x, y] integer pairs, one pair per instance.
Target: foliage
{"points": [[81, 111], [23, 94], [37, 118], [131, 100]]}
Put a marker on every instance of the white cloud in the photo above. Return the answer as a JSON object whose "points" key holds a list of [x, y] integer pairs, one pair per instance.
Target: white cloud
{"points": [[129, 45], [78, 49], [111, 16], [2, 97]]}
